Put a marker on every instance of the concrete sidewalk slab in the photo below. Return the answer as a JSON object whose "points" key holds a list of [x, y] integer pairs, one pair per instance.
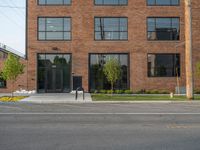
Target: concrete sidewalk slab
{"points": [[57, 98]]}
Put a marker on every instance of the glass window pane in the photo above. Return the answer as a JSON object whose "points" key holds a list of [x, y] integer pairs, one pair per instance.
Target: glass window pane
{"points": [[54, 2], [163, 2], [54, 24], [151, 2], [163, 23], [163, 65], [111, 2], [123, 35], [67, 35], [67, 24], [42, 24], [54, 29], [54, 35], [123, 24], [42, 2], [151, 24], [98, 80], [41, 35], [111, 28], [163, 28], [111, 24], [175, 2]]}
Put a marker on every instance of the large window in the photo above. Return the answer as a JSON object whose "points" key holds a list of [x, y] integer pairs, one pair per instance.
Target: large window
{"points": [[163, 65], [162, 2], [54, 73], [54, 2], [98, 80], [54, 28], [163, 28], [111, 28], [111, 2]]}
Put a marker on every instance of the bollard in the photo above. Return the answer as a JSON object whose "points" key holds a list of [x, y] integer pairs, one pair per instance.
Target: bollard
{"points": [[171, 95], [80, 89]]}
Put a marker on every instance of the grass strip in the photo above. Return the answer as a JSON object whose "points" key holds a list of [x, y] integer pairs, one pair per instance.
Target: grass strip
{"points": [[103, 97]]}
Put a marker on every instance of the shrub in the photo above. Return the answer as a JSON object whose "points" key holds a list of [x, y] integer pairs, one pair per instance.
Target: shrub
{"points": [[109, 91], [156, 92], [164, 92], [119, 91], [102, 91], [142, 91], [128, 92]]}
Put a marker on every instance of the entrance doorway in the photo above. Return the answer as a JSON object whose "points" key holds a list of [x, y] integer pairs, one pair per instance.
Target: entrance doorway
{"points": [[55, 80], [54, 73]]}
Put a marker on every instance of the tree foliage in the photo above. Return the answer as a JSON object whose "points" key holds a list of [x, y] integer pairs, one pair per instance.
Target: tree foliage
{"points": [[12, 68], [112, 71]]}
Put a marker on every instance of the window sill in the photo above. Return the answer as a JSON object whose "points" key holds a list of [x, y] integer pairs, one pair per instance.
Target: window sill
{"points": [[160, 41]]}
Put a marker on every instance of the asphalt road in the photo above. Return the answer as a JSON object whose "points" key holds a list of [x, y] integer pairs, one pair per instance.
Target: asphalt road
{"points": [[100, 126]]}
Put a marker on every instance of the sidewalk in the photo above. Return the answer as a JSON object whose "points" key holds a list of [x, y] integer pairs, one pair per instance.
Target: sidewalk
{"points": [[57, 98]]}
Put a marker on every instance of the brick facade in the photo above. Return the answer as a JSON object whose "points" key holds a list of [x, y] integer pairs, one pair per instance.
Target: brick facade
{"points": [[83, 12]]}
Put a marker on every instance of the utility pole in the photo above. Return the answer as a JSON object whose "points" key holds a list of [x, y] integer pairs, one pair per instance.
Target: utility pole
{"points": [[188, 50]]}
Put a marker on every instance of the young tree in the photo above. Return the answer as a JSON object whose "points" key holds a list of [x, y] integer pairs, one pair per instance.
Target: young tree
{"points": [[12, 69], [112, 71]]}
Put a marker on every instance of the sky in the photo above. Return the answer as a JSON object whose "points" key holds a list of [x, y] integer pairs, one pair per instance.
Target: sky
{"points": [[12, 24]]}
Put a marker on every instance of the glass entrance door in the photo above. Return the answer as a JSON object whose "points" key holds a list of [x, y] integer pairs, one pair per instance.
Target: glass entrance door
{"points": [[54, 80], [54, 73]]}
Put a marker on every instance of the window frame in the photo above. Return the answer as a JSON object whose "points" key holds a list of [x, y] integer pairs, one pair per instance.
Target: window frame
{"points": [[45, 17], [46, 53], [155, 17], [118, 53], [174, 54], [38, 3], [164, 5], [110, 4], [109, 31]]}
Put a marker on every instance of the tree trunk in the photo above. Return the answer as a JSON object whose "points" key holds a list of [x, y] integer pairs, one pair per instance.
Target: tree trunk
{"points": [[12, 89]]}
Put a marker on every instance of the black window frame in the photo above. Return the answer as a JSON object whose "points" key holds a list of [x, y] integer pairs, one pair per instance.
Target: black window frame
{"points": [[110, 4], [111, 31], [154, 17], [163, 5], [175, 69], [38, 67], [128, 73], [45, 17], [46, 4]]}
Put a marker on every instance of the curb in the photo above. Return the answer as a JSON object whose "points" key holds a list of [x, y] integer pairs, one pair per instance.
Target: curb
{"points": [[108, 102]]}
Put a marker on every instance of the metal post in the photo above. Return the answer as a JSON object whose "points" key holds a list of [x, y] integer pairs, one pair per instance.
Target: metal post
{"points": [[188, 50]]}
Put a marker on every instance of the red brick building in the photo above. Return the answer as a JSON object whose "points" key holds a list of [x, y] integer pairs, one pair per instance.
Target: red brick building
{"points": [[69, 41]]}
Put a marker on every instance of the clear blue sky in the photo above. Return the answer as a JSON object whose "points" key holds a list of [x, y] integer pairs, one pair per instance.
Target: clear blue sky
{"points": [[12, 24]]}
